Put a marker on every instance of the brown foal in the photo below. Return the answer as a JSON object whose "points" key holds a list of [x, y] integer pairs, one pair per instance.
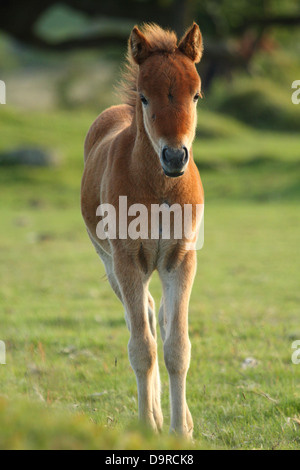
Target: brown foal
{"points": [[143, 150]]}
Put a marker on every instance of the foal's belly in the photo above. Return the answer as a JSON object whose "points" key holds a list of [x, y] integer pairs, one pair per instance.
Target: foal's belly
{"points": [[149, 255]]}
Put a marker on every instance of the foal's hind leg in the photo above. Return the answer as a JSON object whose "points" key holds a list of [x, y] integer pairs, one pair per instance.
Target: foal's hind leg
{"points": [[162, 320], [109, 269]]}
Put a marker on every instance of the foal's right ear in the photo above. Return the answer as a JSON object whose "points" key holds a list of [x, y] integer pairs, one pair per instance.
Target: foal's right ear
{"points": [[138, 46], [191, 44]]}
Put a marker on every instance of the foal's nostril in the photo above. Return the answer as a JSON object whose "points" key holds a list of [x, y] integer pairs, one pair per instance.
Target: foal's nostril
{"points": [[186, 155], [168, 154], [164, 156]]}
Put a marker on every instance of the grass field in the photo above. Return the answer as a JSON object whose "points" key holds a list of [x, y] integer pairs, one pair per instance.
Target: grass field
{"points": [[67, 383]]}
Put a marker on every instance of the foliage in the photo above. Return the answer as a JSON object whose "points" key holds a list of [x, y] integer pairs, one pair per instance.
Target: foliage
{"points": [[235, 31]]}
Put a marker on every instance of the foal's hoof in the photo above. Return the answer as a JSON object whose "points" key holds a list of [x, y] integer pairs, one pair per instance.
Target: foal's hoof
{"points": [[184, 432], [159, 421], [150, 424]]}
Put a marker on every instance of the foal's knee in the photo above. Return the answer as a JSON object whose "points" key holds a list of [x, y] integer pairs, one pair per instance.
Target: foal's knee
{"points": [[142, 353], [177, 354]]}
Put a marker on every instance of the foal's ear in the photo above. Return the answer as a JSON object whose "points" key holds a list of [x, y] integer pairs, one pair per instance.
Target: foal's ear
{"points": [[138, 46], [191, 44]]}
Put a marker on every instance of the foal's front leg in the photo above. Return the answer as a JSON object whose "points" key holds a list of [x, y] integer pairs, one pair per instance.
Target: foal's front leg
{"points": [[177, 285], [142, 344], [156, 393]]}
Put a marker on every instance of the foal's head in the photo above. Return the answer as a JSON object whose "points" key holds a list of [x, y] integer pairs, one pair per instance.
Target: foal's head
{"points": [[168, 88]]}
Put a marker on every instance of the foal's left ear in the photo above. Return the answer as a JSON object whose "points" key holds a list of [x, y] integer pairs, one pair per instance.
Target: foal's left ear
{"points": [[139, 46], [191, 44]]}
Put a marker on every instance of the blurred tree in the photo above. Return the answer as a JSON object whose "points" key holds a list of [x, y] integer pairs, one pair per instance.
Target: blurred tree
{"points": [[234, 30], [19, 19]]}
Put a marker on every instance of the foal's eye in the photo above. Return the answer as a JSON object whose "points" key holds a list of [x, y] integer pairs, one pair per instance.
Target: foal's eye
{"points": [[197, 96], [144, 100]]}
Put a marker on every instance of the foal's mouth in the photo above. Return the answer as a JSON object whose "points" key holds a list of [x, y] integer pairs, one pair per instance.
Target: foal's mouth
{"points": [[173, 175]]}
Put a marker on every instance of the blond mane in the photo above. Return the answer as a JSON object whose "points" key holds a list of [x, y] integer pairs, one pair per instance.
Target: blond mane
{"points": [[160, 40]]}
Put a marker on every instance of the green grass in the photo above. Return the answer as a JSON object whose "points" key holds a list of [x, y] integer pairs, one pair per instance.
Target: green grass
{"points": [[68, 382]]}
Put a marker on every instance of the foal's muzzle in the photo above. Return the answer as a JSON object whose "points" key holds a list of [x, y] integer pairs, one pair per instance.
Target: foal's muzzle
{"points": [[174, 161]]}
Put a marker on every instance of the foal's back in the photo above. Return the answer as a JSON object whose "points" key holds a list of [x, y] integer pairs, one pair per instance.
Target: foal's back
{"points": [[105, 128]]}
